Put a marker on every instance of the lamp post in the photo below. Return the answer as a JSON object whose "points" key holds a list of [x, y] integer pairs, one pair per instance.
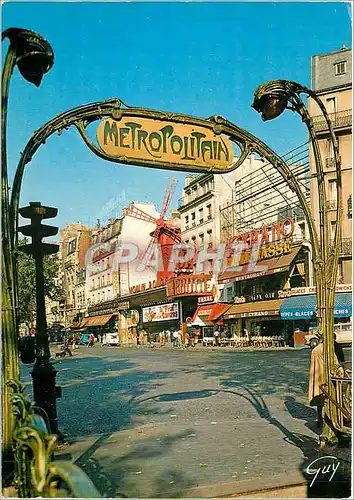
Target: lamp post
{"points": [[34, 57], [271, 99]]}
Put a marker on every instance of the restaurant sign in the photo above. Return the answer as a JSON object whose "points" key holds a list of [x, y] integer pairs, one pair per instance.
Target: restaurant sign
{"points": [[151, 140], [162, 312]]}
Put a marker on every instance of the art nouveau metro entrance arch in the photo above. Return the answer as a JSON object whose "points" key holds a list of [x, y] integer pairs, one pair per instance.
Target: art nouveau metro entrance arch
{"points": [[153, 139]]}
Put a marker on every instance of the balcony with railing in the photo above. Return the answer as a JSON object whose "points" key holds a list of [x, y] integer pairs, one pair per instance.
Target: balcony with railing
{"points": [[339, 119]]}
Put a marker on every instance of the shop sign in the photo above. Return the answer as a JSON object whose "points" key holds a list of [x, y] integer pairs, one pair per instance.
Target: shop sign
{"points": [[305, 290], [205, 299], [121, 306], [162, 312], [265, 252], [163, 141], [142, 287], [252, 314], [256, 296], [115, 282], [278, 231], [192, 285]]}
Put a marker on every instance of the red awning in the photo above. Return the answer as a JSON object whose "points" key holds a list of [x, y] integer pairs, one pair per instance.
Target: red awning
{"points": [[209, 313], [218, 311]]}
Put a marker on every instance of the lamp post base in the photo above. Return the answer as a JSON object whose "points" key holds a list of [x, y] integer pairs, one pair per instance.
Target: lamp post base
{"points": [[46, 392]]}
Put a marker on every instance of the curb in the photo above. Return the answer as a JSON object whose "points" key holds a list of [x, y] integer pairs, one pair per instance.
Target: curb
{"points": [[249, 487]]}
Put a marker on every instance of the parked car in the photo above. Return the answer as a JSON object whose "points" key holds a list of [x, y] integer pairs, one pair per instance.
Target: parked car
{"points": [[343, 331], [110, 339]]}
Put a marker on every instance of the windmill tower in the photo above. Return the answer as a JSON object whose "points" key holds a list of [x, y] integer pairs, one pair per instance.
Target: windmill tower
{"points": [[163, 237]]}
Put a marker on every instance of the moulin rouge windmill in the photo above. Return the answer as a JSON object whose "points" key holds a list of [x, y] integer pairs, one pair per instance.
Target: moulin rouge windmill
{"points": [[164, 236]]}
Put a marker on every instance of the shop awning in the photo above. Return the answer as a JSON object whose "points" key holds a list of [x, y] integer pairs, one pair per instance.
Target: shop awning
{"points": [[275, 265], [253, 309], [96, 320], [75, 326], [204, 315], [304, 306], [218, 311]]}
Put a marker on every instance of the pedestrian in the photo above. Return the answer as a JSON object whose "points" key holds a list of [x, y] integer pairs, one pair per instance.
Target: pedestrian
{"points": [[216, 337], [168, 337], [175, 338], [74, 342], [246, 336], [91, 340]]}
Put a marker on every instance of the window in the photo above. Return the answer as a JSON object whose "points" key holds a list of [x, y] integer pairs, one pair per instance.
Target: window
{"points": [[331, 104], [333, 228], [201, 239], [350, 210], [200, 216], [186, 221], [71, 246], [193, 218], [340, 68], [209, 215], [332, 184]]}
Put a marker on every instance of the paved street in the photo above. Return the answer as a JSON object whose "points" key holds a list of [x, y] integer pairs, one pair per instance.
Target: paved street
{"points": [[163, 422]]}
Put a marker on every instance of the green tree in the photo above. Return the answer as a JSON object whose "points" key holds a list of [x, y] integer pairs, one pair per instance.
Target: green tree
{"points": [[26, 275]]}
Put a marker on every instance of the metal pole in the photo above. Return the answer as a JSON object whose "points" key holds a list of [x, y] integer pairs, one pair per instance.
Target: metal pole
{"points": [[43, 373], [10, 363]]}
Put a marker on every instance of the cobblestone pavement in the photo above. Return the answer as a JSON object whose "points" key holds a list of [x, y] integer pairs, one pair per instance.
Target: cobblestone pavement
{"points": [[161, 422]]}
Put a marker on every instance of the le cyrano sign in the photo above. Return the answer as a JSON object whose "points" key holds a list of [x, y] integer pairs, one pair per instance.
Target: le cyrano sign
{"points": [[158, 141]]}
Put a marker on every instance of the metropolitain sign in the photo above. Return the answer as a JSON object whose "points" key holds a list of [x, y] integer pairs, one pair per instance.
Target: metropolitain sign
{"points": [[151, 140]]}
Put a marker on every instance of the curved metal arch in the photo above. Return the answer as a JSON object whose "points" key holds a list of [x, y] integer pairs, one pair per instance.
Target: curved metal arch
{"points": [[82, 116]]}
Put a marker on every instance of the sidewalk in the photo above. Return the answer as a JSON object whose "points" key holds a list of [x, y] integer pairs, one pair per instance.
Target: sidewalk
{"points": [[172, 461]]}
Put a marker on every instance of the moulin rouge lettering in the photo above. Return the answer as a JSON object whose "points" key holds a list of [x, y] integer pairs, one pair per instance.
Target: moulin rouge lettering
{"points": [[158, 140]]}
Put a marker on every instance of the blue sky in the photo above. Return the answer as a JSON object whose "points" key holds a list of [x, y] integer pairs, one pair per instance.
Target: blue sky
{"points": [[196, 58]]}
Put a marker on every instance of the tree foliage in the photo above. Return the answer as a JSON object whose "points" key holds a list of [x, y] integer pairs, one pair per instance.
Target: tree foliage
{"points": [[26, 276]]}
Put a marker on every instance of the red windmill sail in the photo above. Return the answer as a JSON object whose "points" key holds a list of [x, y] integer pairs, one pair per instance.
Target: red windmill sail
{"points": [[163, 237]]}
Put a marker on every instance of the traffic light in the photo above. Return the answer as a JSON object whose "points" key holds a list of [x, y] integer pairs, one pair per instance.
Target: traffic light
{"points": [[36, 212]]}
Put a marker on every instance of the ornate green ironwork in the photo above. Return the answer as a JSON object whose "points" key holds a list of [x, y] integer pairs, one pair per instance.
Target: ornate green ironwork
{"points": [[271, 99], [36, 474]]}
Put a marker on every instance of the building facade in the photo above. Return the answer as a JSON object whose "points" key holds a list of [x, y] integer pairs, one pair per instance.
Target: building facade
{"points": [[331, 79], [75, 240]]}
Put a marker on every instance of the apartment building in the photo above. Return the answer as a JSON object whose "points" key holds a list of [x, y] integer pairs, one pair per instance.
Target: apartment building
{"points": [[75, 240], [203, 195], [331, 79]]}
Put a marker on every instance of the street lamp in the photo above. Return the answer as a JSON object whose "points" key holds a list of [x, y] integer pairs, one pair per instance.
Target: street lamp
{"points": [[271, 99], [34, 57]]}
